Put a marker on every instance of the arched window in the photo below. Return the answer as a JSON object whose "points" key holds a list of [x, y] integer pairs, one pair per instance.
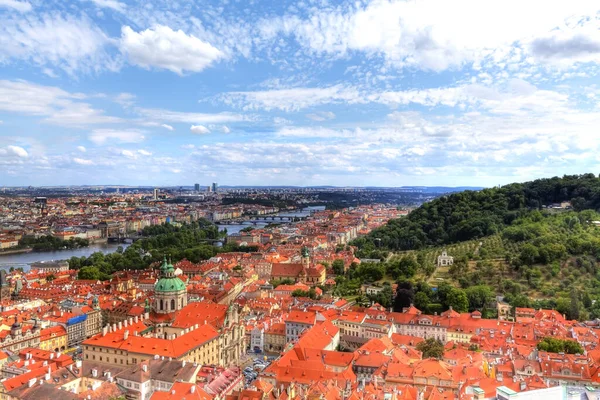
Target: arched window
{"points": [[172, 304], [161, 304]]}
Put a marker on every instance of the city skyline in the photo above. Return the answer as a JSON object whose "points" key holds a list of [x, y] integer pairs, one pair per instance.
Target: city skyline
{"points": [[320, 93]]}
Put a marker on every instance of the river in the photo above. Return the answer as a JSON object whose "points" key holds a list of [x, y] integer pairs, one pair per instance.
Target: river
{"points": [[298, 213], [24, 260]]}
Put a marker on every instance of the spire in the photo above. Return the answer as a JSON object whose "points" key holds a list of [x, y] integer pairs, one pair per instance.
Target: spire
{"points": [[164, 267]]}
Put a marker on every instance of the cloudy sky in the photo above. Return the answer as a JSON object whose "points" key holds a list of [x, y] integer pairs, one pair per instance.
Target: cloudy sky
{"points": [[380, 92]]}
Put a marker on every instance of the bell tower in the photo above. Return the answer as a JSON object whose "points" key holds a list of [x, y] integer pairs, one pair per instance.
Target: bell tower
{"points": [[305, 258]]}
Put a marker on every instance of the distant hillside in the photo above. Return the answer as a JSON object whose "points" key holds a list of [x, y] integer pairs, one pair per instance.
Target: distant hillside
{"points": [[471, 215], [505, 241]]}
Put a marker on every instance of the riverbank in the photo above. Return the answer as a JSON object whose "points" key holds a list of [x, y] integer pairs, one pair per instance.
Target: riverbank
{"points": [[15, 251], [23, 260]]}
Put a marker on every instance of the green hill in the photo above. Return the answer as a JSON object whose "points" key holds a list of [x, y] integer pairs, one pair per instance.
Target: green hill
{"points": [[505, 241], [475, 214]]}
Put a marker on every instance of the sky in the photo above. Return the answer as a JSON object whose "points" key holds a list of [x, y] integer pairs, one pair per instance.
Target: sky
{"points": [[277, 92]]}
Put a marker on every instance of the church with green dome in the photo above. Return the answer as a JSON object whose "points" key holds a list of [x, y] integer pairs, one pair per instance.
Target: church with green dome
{"points": [[170, 293]]}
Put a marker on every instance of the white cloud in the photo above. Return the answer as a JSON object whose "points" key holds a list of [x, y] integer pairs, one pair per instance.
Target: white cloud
{"points": [[144, 152], [17, 151], [321, 116], [56, 105], [21, 6], [49, 72], [128, 153], [189, 118], [161, 47], [125, 99], [82, 161], [408, 33], [102, 136], [225, 129], [568, 46], [113, 4], [167, 127], [66, 42], [81, 149], [199, 129], [292, 99]]}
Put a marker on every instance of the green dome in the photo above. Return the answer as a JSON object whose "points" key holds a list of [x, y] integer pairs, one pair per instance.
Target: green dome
{"points": [[170, 284]]}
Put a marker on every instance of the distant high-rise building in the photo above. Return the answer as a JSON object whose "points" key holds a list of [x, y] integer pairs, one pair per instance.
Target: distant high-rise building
{"points": [[215, 187], [197, 187], [155, 196], [209, 189]]}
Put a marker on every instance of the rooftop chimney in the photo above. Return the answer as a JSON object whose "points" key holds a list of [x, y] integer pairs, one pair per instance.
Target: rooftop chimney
{"points": [[193, 389], [125, 335], [145, 367]]}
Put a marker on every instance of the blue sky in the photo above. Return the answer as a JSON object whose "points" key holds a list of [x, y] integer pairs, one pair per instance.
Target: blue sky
{"points": [[377, 93]]}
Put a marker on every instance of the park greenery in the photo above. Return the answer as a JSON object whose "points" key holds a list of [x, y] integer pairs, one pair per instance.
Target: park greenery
{"points": [[505, 242], [192, 241], [51, 243], [553, 345], [431, 348]]}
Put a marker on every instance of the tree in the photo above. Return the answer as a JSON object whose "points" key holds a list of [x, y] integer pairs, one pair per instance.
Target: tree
{"points": [[587, 300], [529, 254], [431, 348], [553, 345], [91, 273], [574, 305], [457, 299], [422, 301], [404, 296], [338, 267], [384, 297], [478, 296], [50, 278]]}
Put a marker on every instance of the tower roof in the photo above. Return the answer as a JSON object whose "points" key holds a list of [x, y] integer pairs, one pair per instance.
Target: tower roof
{"points": [[169, 284], [168, 281]]}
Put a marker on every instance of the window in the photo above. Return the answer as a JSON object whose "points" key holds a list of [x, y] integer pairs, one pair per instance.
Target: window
{"points": [[161, 305]]}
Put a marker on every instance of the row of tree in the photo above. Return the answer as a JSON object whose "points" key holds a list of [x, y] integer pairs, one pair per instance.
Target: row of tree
{"points": [[193, 241], [51, 243]]}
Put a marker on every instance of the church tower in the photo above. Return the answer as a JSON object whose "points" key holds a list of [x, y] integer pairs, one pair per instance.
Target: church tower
{"points": [[170, 293], [305, 258]]}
